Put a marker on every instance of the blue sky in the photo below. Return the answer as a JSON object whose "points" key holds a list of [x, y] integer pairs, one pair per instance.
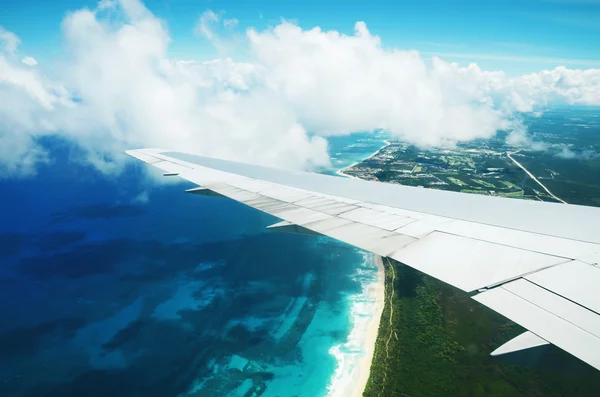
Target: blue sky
{"points": [[518, 36]]}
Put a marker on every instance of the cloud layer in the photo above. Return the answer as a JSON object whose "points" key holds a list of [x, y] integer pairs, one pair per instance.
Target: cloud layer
{"points": [[120, 90]]}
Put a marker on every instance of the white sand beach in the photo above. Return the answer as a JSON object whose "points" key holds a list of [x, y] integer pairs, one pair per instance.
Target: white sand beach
{"points": [[370, 337], [355, 356]]}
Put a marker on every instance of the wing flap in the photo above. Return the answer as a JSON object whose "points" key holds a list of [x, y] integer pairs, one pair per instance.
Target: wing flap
{"points": [[514, 303], [575, 281], [556, 304], [471, 264]]}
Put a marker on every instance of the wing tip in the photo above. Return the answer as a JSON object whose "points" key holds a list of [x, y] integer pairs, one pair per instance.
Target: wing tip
{"points": [[146, 155], [146, 150]]}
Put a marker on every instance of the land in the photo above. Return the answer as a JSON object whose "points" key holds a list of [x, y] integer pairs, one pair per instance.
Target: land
{"points": [[470, 168], [564, 167], [434, 340]]}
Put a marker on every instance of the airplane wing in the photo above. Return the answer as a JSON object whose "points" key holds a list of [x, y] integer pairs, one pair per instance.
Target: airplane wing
{"points": [[536, 263]]}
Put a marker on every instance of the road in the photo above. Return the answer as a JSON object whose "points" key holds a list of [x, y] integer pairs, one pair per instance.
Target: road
{"points": [[534, 178]]}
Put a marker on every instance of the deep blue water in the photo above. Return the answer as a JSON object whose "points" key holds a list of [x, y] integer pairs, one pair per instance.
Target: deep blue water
{"points": [[125, 286]]}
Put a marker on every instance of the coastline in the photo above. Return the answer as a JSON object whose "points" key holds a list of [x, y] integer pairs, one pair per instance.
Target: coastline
{"points": [[351, 378], [355, 356], [364, 366], [342, 173]]}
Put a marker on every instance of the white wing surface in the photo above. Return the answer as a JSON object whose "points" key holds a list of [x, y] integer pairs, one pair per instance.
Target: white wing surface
{"points": [[536, 263]]}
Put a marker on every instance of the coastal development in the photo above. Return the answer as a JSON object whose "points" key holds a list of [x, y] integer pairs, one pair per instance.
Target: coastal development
{"points": [[467, 169], [433, 339]]}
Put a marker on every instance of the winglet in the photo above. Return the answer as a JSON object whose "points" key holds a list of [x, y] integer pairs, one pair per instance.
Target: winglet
{"points": [[145, 157]]}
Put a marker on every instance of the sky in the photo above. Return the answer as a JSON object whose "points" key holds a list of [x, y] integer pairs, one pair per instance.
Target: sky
{"points": [[269, 82], [519, 36]]}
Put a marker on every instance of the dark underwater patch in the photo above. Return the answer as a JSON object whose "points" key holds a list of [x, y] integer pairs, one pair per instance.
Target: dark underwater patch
{"points": [[107, 211], [94, 383], [157, 260], [171, 359], [80, 261], [99, 211], [57, 240], [127, 334], [10, 244], [27, 340]]}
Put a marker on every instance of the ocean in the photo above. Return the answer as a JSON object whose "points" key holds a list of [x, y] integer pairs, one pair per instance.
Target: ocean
{"points": [[347, 150], [123, 286]]}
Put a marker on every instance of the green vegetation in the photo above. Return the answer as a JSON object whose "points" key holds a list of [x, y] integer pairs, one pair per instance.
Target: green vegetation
{"points": [[434, 340], [485, 192], [510, 185], [457, 181], [484, 183], [577, 181], [455, 161], [518, 194]]}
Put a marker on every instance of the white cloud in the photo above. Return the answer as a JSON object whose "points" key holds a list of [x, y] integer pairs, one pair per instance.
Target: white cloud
{"points": [[129, 94], [339, 84], [9, 41], [205, 24], [107, 5], [218, 31], [568, 153], [572, 85], [230, 23], [121, 91], [519, 138], [29, 61]]}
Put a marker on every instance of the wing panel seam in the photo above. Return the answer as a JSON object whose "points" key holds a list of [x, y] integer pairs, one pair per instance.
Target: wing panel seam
{"points": [[551, 313]]}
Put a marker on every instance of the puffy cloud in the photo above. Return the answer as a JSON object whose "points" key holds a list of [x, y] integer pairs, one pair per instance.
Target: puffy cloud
{"points": [[574, 86], [338, 84], [9, 40], [121, 90], [519, 138]]}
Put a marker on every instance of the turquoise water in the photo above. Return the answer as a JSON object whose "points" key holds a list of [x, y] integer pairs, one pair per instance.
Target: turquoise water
{"points": [[123, 287], [347, 150]]}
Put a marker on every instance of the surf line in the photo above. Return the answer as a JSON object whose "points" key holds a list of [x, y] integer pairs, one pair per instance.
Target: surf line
{"points": [[375, 153], [533, 177]]}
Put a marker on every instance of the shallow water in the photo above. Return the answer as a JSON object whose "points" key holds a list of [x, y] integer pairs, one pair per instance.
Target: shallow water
{"points": [[347, 150], [124, 287]]}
